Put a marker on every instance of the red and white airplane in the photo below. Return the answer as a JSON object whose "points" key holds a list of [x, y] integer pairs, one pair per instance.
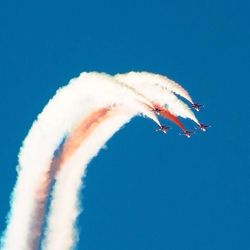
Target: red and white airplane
{"points": [[163, 129], [187, 133], [197, 106], [157, 110], [203, 127]]}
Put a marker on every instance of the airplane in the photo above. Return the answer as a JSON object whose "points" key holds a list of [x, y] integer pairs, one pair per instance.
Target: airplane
{"points": [[163, 128], [203, 127], [197, 106], [187, 133], [157, 110]]}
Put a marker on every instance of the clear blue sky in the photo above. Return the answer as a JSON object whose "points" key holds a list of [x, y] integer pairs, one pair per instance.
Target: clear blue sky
{"points": [[147, 191]]}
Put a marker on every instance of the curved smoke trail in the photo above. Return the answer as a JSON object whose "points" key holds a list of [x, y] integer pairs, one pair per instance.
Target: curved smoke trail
{"points": [[75, 124], [160, 90]]}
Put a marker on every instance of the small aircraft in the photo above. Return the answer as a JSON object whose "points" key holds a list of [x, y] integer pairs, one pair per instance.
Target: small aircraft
{"points": [[187, 133], [157, 110], [203, 127], [197, 106], [163, 128]]}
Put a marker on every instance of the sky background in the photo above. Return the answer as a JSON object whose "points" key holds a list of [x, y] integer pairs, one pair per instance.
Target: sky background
{"points": [[146, 191]]}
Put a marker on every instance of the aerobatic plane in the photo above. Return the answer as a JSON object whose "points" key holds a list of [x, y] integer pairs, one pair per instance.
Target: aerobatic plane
{"points": [[163, 129], [197, 106], [203, 127], [157, 110], [187, 133]]}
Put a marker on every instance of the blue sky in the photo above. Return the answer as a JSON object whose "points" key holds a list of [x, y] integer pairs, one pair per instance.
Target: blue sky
{"points": [[146, 191]]}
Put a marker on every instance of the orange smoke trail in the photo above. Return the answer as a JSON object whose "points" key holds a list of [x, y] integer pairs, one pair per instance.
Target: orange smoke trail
{"points": [[81, 132], [72, 143], [166, 114], [41, 196]]}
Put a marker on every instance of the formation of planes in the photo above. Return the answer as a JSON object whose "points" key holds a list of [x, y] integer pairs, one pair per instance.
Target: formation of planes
{"points": [[164, 129]]}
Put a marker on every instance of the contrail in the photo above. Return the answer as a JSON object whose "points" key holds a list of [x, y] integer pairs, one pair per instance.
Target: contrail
{"points": [[56, 120], [76, 123], [71, 144], [160, 89], [161, 81], [61, 234]]}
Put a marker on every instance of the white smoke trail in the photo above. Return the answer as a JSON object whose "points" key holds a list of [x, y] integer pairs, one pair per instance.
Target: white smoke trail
{"points": [[53, 123], [159, 89], [66, 238], [89, 92], [163, 82], [61, 233]]}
